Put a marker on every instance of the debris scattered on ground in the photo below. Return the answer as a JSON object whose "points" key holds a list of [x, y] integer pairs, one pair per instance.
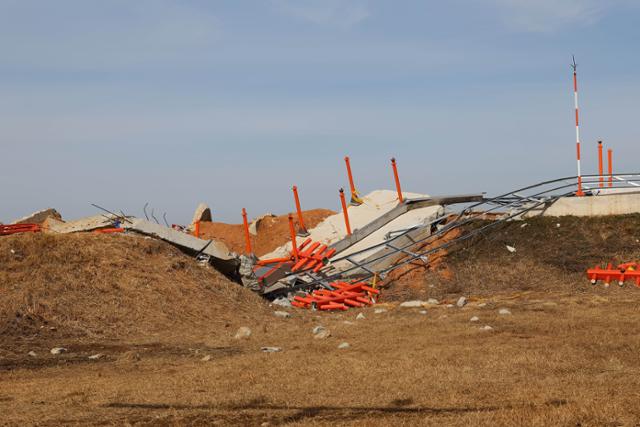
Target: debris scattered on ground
{"points": [[321, 332], [423, 312], [344, 345], [96, 356], [360, 316], [413, 304], [486, 328], [242, 333], [474, 319], [345, 295], [504, 311], [380, 310], [270, 349], [511, 249], [462, 301], [282, 301], [433, 301], [282, 314], [206, 358], [58, 350], [32, 353]]}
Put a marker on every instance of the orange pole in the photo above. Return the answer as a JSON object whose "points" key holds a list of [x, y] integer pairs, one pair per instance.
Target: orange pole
{"points": [[303, 229], [247, 237], [395, 175], [196, 229], [351, 184], [610, 161], [601, 179], [346, 214], [294, 244]]}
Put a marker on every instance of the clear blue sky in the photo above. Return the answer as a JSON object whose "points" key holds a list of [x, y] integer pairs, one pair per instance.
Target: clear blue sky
{"points": [[120, 102]]}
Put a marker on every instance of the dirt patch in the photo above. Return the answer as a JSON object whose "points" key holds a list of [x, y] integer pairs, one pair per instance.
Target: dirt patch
{"points": [[112, 286], [272, 232]]}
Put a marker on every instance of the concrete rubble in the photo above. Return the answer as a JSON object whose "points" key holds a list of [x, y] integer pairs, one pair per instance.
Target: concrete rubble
{"points": [[39, 217], [202, 213]]}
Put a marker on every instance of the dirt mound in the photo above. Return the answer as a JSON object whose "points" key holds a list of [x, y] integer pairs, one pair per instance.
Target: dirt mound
{"points": [[113, 286], [272, 232], [551, 254]]}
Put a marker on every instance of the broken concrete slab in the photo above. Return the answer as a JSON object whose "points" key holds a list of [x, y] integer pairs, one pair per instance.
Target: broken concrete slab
{"points": [[221, 257], [202, 213], [39, 217], [255, 224], [607, 203], [83, 224]]}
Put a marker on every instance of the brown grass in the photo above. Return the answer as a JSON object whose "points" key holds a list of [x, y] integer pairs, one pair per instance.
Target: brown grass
{"points": [[566, 356]]}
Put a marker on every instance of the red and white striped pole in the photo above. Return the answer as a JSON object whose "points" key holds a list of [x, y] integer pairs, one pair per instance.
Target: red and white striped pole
{"points": [[575, 99]]}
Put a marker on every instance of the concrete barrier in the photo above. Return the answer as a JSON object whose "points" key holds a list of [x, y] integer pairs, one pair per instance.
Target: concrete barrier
{"points": [[601, 205]]}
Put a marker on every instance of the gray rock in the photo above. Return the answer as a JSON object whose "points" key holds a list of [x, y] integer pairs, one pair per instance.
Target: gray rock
{"points": [[58, 350], [360, 316], [96, 356], [344, 345], [243, 333], [504, 311], [282, 302], [270, 349], [320, 332], [486, 328], [450, 306], [474, 319], [462, 301], [380, 310], [206, 358], [282, 314], [412, 304], [482, 304], [32, 353], [433, 301]]}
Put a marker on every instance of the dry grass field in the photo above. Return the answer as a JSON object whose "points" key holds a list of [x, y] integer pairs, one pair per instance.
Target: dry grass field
{"points": [[566, 355]]}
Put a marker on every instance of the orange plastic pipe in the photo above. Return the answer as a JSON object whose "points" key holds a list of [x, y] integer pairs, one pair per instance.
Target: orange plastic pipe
{"points": [[247, 236], [346, 214], [601, 179], [351, 184], [294, 244], [298, 209], [610, 161], [395, 176], [196, 229]]}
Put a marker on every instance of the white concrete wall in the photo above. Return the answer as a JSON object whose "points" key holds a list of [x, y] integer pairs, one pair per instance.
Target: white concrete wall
{"points": [[605, 204]]}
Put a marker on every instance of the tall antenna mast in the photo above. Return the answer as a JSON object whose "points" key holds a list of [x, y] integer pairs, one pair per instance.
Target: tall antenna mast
{"points": [[575, 98]]}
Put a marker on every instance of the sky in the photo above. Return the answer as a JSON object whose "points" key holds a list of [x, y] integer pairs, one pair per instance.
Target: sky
{"points": [[176, 102]]}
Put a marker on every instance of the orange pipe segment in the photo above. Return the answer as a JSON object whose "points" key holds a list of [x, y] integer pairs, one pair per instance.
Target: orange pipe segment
{"points": [[346, 213], [298, 209], [601, 179], [610, 162], [395, 176], [247, 236]]}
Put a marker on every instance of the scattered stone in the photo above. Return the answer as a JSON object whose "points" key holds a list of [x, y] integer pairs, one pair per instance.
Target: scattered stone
{"points": [[504, 311], [474, 319], [243, 333], [423, 311], [32, 353], [348, 322], [558, 225], [486, 328], [412, 304], [320, 332], [282, 314], [360, 316], [524, 225], [433, 301], [511, 249], [449, 306], [379, 310], [13, 252], [58, 350], [270, 349], [462, 301], [206, 358], [282, 301], [96, 356], [344, 345], [482, 304]]}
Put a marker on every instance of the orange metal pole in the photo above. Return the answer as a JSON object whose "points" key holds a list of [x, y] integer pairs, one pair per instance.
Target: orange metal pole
{"points": [[346, 214], [610, 162], [294, 244], [303, 229], [247, 237], [354, 194], [601, 179], [395, 175], [196, 229]]}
